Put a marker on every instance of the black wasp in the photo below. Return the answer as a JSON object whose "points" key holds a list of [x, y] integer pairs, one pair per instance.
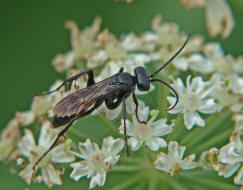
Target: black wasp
{"points": [[112, 91]]}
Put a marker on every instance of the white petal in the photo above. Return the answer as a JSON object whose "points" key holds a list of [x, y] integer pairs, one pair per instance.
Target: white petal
{"points": [[228, 154], [181, 63], [47, 135], [161, 162], [155, 143], [196, 85], [60, 154], [134, 143], [208, 106], [80, 169], [179, 86], [98, 179], [143, 114], [189, 120], [112, 145], [27, 143], [51, 176], [161, 128], [238, 179], [229, 170], [199, 120], [87, 147], [177, 108], [129, 127], [219, 18], [193, 118], [25, 118], [199, 63], [175, 150], [27, 173], [188, 163]]}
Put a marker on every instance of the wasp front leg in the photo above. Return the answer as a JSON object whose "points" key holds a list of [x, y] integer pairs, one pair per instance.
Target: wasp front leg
{"points": [[136, 109]]}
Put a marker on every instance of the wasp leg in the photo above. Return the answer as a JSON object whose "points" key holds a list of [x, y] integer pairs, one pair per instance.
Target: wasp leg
{"points": [[70, 80], [136, 109], [124, 119], [61, 133], [110, 104]]}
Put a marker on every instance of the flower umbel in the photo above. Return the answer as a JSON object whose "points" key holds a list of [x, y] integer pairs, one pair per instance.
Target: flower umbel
{"points": [[96, 161], [173, 163]]}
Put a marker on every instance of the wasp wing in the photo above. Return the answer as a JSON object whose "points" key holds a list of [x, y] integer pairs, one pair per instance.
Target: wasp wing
{"points": [[80, 101]]}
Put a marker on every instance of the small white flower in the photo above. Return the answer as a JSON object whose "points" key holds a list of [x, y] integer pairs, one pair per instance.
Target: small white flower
{"points": [[149, 133], [59, 154], [193, 98], [25, 118], [224, 95], [238, 122], [173, 163], [219, 18], [9, 138], [209, 159], [96, 161], [63, 62], [232, 156]]}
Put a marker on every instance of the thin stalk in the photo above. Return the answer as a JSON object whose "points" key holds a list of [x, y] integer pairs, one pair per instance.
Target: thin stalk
{"points": [[128, 184], [173, 183], [178, 129], [199, 134], [212, 183], [109, 125], [82, 136], [212, 142], [127, 169], [153, 184]]}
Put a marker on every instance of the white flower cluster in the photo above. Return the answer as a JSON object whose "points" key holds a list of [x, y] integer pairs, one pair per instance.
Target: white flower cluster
{"points": [[220, 87]]}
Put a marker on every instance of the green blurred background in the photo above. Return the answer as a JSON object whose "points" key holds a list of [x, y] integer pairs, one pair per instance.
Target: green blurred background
{"points": [[32, 33]]}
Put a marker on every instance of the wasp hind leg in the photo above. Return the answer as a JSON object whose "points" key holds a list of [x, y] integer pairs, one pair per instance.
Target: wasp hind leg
{"points": [[61, 133], [125, 127], [70, 80]]}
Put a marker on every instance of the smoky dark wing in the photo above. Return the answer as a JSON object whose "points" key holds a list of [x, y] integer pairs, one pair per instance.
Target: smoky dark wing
{"points": [[82, 100]]}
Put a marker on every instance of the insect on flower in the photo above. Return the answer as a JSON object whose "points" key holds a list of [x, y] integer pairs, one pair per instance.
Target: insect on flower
{"points": [[112, 91]]}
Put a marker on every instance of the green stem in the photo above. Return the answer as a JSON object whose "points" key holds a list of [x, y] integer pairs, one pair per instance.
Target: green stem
{"points": [[212, 142], [127, 184], [153, 184], [129, 169], [82, 136], [211, 183], [178, 129], [199, 134], [109, 125], [162, 93], [173, 183]]}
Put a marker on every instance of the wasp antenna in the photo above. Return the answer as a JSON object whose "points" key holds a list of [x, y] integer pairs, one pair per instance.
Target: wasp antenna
{"points": [[173, 90], [171, 59]]}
